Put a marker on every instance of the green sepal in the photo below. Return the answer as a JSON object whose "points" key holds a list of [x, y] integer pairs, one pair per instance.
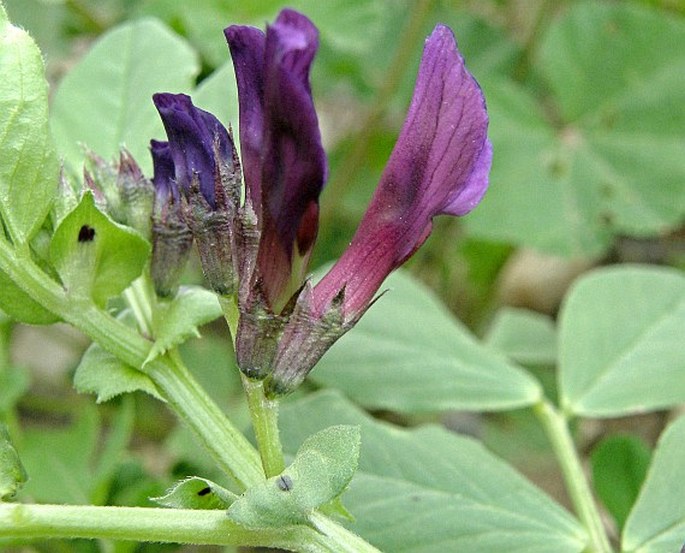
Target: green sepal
{"points": [[321, 471], [196, 493], [95, 257]]}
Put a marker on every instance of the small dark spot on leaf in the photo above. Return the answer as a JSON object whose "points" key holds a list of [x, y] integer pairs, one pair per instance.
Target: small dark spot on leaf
{"points": [[284, 483], [86, 234], [204, 491]]}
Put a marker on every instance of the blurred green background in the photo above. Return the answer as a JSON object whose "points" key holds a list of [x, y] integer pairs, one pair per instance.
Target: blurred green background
{"points": [[587, 109]]}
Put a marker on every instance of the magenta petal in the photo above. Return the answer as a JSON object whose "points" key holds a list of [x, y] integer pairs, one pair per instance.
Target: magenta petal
{"points": [[439, 165]]}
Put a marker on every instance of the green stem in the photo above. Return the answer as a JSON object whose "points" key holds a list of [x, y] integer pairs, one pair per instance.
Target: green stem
{"points": [[351, 542], [556, 427], [229, 448], [264, 413], [138, 298], [151, 525]]}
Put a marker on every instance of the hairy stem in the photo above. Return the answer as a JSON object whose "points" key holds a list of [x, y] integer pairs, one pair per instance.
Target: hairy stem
{"points": [[151, 525], [557, 430], [264, 413], [229, 448]]}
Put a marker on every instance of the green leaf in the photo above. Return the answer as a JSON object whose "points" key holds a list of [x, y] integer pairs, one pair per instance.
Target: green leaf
{"points": [[657, 522], [523, 336], [106, 100], [218, 94], [608, 160], [59, 459], [12, 472], [430, 490], [196, 493], [178, 320], [321, 471], [94, 256], [620, 329], [101, 373], [29, 169], [619, 466], [22, 307], [409, 354]]}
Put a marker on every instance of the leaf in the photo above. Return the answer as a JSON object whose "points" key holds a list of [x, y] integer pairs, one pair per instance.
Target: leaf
{"points": [[608, 161], [12, 472], [218, 94], [409, 354], [29, 169], [523, 336], [59, 458], [22, 307], [621, 328], [429, 490], [196, 493], [178, 320], [657, 522], [103, 374], [619, 466], [94, 256], [321, 471], [105, 101]]}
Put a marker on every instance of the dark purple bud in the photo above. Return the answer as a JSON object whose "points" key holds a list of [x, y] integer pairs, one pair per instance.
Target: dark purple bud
{"points": [[207, 172], [198, 143], [171, 236], [283, 159], [439, 165]]}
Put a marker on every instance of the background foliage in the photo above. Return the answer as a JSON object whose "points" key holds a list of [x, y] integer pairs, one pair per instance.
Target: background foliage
{"points": [[587, 108]]}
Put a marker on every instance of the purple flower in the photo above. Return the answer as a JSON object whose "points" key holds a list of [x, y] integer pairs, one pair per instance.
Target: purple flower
{"points": [[196, 140], [439, 165], [284, 164], [171, 236], [284, 168], [207, 172]]}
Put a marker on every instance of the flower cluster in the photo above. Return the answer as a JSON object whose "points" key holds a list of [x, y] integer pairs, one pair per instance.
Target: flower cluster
{"points": [[255, 242]]}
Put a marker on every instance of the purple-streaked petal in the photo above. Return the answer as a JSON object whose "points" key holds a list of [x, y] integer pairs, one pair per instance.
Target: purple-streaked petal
{"points": [[293, 160], [247, 51], [439, 165], [192, 135]]}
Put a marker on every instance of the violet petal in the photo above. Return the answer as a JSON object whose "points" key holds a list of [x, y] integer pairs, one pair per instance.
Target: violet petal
{"points": [[192, 133], [439, 165]]}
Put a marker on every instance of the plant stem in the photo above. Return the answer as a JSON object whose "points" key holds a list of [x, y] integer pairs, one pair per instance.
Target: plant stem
{"points": [[264, 413], [151, 525], [232, 452], [229, 448], [352, 542], [556, 427]]}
